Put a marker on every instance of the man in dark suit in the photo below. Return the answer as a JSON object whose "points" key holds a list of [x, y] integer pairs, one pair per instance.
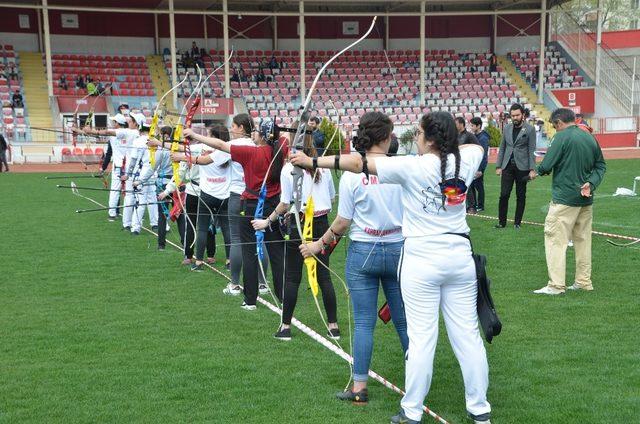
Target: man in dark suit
{"points": [[516, 163]]}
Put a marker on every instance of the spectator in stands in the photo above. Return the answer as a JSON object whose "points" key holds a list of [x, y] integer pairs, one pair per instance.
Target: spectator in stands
{"points": [[578, 169], [490, 121], [475, 202], [100, 87], [195, 51], [62, 83], [124, 109], [12, 72], [516, 163], [3, 154], [88, 79], [318, 136], [493, 63], [242, 75], [260, 76], [235, 77], [91, 89], [273, 63], [80, 82], [16, 100], [464, 136]]}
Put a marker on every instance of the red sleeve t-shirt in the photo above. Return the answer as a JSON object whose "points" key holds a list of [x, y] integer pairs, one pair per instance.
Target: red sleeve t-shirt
{"points": [[255, 161]]}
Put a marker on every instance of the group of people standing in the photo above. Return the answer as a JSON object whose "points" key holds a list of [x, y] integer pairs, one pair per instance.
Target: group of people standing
{"points": [[405, 217]]}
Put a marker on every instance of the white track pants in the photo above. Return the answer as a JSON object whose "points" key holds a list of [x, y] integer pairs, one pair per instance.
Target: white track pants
{"points": [[438, 273], [146, 194], [114, 196], [129, 201]]}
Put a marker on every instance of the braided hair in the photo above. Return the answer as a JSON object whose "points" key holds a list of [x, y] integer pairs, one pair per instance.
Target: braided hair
{"points": [[374, 128], [439, 128]]}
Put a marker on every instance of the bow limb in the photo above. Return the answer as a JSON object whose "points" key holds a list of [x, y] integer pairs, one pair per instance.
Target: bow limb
{"points": [[156, 118]]}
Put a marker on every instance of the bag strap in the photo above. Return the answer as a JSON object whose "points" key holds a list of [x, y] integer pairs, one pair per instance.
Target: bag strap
{"points": [[465, 236]]}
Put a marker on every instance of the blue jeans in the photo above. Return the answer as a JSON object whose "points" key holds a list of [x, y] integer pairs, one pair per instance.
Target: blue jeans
{"points": [[367, 267]]}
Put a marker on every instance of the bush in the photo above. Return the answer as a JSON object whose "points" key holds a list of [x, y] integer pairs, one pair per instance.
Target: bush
{"points": [[495, 136], [407, 139], [333, 135]]}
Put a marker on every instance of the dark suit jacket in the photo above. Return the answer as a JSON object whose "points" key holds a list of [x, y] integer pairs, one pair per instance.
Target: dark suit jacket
{"points": [[522, 148]]}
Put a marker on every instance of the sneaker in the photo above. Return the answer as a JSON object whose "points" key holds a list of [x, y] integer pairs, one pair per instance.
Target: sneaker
{"points": [[480, 209], [548, 290], [401, 418], [211, 261], [135, 233], [358, 398], [471, 211], [499, 226], [197, 267], [161, 248], [283, 334], [334, 333], [263, 289], [516, 226], [232, 290], [186, 261], [112, 218], [127, 228], [248, 307], [480, 419], [576, 287], [154, 228]]}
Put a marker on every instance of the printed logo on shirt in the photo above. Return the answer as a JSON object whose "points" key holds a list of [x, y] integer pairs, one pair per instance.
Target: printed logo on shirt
{"points": [[381, 233], [373, 179], [454, 190], [216, 179]]}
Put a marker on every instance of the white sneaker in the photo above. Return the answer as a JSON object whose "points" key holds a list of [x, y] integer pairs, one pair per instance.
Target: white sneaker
{"points": [[576, 287], [548, 290], [263, 289], [248, 307], [232, 290]]}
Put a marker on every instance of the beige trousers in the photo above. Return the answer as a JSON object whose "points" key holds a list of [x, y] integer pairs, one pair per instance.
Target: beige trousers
{"points": [[564, 223]]}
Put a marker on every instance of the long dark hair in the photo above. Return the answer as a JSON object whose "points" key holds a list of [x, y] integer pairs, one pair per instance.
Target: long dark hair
{"points": [[309, 147], [439, 128], [374, 128], [221, 132], [244, 121]]}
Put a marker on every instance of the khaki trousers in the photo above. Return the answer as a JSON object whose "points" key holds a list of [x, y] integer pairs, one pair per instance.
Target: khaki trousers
{"points": [[562, 224]]}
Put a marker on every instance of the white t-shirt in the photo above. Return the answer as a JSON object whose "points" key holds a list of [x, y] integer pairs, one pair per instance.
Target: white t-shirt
{"points": [[126, 137], [323, 191], [375, 209], [215, 178], [419, 177], [237, 174], [118, 153]]}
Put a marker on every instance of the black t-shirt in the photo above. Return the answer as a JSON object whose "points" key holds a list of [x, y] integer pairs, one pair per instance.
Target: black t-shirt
{"points": [[516, 131]]}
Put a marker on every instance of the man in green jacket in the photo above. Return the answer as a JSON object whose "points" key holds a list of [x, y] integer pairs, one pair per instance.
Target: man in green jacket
{"points": [[578, 169]]}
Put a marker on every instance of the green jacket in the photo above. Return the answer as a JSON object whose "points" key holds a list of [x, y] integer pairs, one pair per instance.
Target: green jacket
{"points": [[575, 158]]}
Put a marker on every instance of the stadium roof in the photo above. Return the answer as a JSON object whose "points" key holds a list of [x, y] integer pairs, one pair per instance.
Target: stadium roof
{"points": [[292, 6]]}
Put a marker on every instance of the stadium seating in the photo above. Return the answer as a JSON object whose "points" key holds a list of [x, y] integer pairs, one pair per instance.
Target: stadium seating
{"points": [[129, 74], [456, 82], [558, 73], [13, 121]]}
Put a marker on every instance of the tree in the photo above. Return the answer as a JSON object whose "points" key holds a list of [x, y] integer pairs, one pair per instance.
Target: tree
{"points": [[617, 15]]}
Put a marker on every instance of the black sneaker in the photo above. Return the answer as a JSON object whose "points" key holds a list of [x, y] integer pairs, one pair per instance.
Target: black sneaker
{"points": [[154, 228], [480, 209], [283, 334], [480, 419], [499, 226], [127, 228], [135, 233], [401, 418], [248, 307], [358, 398], [197, 268], [334, 333], [161, 248], [516, 226]]}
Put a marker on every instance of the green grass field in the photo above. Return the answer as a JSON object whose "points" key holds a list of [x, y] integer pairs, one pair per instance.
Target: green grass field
{"points": [[98, 326]]}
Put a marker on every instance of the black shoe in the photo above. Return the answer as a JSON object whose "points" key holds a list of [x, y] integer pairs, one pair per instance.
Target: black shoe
{"points": [[135, 233], [499, 226], [154, 228], [358, 398], [112, 218], [197, 268], [334, 333], [480, 419], [283, 334], [401, 418], [516, 226], [480, 209], [126, 228], [161, 248]]}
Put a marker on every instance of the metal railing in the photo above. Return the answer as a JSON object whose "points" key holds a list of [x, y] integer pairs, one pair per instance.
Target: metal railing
{"points": [[616, 78]]}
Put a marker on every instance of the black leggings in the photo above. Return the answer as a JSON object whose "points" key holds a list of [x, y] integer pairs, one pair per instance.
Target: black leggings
{"points": [[274, 245], [208, 209], [293, 274], [191, 206]]}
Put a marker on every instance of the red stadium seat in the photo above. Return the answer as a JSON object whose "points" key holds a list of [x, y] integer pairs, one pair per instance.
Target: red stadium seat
{"points": [[66, 151]]}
